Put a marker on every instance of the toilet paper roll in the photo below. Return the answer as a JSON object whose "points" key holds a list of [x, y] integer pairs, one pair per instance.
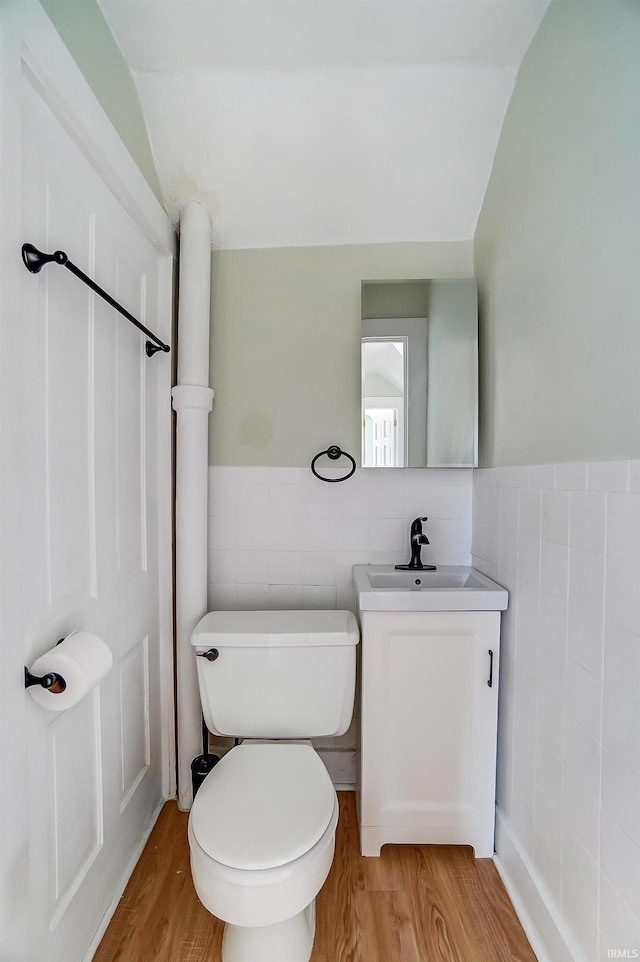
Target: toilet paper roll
{"points": [[82, 659]]}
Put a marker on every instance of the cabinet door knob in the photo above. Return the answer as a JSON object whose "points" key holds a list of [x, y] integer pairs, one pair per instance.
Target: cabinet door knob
{"points": [[490, 680]]}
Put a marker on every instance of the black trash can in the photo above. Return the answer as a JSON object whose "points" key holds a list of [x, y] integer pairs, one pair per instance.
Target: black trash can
{"points": [[202, 764]]}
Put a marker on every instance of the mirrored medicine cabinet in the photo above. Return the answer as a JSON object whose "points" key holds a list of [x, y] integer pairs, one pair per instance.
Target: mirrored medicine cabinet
{"points": [[419, 373]]}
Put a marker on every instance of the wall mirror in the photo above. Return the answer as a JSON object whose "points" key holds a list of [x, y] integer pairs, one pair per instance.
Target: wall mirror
{"points": [[419, 373]]}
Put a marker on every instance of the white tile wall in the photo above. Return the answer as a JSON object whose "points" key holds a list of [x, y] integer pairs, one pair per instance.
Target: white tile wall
{"points": [[565, 540], [280, 538]]}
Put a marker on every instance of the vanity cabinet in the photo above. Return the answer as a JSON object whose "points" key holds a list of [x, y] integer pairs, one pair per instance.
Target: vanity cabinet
{"points": [[428, 728]]}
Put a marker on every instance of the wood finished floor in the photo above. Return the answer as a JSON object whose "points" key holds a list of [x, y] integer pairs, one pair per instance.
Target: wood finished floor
{"points": [[416, 903]]}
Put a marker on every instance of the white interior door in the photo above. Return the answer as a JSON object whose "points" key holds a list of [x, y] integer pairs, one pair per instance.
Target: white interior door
{"points": [[87, 532], [385, 422]]}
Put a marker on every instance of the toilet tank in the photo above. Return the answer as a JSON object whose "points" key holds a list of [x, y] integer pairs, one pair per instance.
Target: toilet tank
{"points": [[277, 674]]}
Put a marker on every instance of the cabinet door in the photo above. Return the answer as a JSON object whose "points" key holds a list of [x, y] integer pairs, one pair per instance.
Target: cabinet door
{"points": [[429, 726]]}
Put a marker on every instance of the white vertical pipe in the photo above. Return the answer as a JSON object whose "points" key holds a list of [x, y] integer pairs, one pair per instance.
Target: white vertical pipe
{"points": [[192, 402], [194, 295]]}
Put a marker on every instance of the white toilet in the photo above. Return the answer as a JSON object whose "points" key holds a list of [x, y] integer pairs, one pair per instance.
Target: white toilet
{"points": [[262, 826]]}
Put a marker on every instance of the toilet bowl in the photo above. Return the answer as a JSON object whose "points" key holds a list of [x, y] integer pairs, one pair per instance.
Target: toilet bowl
{"points": [[262, 834]]}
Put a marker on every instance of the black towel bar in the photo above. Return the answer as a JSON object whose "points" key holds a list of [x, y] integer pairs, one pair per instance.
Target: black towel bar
{"points": [[34, 260]]}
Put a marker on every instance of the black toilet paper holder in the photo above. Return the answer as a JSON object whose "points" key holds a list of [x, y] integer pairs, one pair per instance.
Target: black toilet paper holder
{"points": [[52, 681]]}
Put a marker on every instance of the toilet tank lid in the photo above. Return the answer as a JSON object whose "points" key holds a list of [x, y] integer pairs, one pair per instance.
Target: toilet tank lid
{"points": [[253, 629]]}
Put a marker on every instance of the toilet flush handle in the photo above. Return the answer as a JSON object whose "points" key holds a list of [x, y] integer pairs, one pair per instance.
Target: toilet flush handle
{"points": [[210, 655]]}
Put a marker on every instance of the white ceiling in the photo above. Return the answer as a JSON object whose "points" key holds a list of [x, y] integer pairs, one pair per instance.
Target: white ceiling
{"points": [[303, 122]]}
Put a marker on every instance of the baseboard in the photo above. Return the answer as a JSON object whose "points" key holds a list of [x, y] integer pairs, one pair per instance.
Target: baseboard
{"points": [[539, 917], [124, 879]]}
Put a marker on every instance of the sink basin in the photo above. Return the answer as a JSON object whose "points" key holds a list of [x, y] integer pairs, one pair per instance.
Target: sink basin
{"points": [[449, 588]]}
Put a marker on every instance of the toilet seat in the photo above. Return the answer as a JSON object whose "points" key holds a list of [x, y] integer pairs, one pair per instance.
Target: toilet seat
{"points": [[264, 805]]}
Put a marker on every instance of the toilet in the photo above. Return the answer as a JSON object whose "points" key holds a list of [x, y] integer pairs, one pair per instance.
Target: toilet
{"points": [[262, 825]]}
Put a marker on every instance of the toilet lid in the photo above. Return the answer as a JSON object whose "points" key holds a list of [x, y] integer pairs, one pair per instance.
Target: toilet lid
{"points": [[263, 805]]}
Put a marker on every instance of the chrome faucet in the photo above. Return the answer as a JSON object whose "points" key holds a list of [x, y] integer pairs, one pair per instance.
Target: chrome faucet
{"points": [[418, 538]]}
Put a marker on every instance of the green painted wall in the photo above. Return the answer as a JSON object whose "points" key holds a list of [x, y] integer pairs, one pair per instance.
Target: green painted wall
{"points": [[87, 36], [557, 247], [402, 299], [285, 344]]}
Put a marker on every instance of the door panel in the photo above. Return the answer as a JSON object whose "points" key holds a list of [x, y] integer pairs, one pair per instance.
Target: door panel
{"points": [[434, 783], [135, 737], [130, 422], [68, 489], [77, 829]]}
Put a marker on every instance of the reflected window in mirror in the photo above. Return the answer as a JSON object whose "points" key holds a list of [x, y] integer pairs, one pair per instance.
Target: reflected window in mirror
{"points": [[383, 402]]}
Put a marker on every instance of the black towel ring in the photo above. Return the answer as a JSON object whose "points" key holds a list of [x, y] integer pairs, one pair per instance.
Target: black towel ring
{"points": [[334, 452]]}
